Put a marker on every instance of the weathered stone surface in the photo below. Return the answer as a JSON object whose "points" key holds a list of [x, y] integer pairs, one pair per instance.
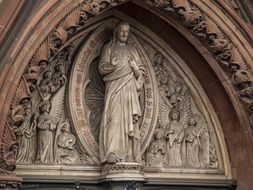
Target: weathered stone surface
{"points": [[228, 53]]}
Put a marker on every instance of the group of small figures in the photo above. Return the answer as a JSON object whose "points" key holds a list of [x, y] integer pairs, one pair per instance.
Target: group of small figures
{"points": [[176, 146], [45, 138], [181, 138]]}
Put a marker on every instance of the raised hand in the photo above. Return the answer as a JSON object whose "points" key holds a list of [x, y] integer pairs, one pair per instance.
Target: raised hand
{"points": [[132, 64]]}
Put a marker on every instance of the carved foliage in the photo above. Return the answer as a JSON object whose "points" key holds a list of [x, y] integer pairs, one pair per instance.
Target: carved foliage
{"points": [[192, 17], [224, 50]]}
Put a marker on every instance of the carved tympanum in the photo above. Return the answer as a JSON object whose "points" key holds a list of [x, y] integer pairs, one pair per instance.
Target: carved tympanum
{"points": [[112, 98]]}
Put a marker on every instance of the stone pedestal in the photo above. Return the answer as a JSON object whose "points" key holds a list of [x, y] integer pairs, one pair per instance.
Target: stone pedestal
{"points": [[123, 176]]}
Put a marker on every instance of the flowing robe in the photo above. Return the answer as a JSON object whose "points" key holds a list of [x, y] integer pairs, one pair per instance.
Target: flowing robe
{"points": [[46, 126], [65, 150], [121, 101], [26, 146], [192, 147], [174, 144]]}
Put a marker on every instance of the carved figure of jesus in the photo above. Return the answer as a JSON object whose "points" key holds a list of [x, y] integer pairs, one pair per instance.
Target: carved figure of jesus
{"points": [[122, 72]]}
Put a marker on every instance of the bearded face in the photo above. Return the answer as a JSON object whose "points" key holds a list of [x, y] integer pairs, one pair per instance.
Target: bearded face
{"points": [[123, 33]]}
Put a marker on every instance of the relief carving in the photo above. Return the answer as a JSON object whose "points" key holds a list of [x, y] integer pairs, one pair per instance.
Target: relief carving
{"points": [[197, 143], [181, 138], [66, 152], [174, 134], [226, 53], [26, 150], [122, 72], [42, 129], [126, 96], [157, 149], [46, 124]]}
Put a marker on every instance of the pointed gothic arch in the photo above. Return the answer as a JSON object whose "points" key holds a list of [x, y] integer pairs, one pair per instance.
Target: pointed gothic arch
{"points": [[220, 53]]}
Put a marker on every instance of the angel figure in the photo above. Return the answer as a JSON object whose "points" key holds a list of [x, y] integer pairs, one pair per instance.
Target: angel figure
{"points": [[46, 125], [158, 65], [163, 86], [175, 131], [176, 95], [58, 76], [157, 149], [26, 147], [197, 143], [65, 151], [45, 85], [174, 134]]}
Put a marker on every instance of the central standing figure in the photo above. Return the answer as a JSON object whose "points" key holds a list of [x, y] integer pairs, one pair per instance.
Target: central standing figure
{"points": [[122, 71]]}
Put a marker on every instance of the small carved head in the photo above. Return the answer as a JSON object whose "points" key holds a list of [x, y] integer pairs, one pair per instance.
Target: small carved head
{"points": [[42, 64], [192, 121], [241, 76], [178, 87], [158, 58], [47, 74], [174, 115], [158, 133], [59, 67], [164, 80], [44, 107], [28, 112]]}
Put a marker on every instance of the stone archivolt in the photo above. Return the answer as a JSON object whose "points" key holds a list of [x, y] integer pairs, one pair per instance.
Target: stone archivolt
{"points": [[58, 125], [51, 52]]}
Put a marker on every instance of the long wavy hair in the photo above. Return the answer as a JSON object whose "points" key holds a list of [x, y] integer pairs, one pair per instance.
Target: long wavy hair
{"points": [[114, 37]]}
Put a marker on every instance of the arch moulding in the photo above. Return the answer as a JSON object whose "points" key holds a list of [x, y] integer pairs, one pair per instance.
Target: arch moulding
{"points": [[213, 29]]}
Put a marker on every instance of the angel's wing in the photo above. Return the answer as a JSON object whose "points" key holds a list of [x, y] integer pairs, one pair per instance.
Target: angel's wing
{"points": [[203, 140], [36, 100], [163, 112], [164, 106], [184, 117], [186, 110], [57, 103]]}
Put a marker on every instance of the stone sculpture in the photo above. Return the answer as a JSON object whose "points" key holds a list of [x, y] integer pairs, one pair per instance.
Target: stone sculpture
{"points": [[46, 127], [157, 149], [26, 145], [174, 135], [65, 152], [122, 72], [192, 143]]}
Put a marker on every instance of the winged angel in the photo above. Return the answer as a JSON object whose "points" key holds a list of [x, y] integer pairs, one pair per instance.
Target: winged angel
{"points": [[175, 132], [45, 117], [48, 121], [186, 134], [197, 142]]}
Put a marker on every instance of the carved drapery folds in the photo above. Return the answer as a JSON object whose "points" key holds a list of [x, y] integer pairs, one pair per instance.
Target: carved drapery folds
{"points": [[65, 98], [45, 134], [37, 107], [181, 137]]}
